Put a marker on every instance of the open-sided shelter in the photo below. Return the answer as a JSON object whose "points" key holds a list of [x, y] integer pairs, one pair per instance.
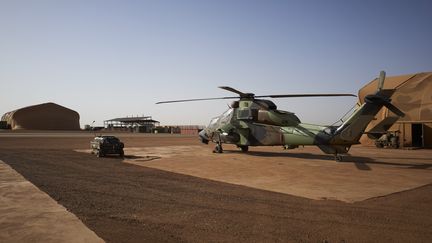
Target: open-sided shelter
{"points": [[134, 124]]}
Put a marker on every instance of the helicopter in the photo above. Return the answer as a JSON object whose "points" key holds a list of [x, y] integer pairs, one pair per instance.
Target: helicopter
{"points": [[253, 121]]}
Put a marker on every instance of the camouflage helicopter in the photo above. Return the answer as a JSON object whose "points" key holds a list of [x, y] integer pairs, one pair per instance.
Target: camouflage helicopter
{"points": [[252, 121]]}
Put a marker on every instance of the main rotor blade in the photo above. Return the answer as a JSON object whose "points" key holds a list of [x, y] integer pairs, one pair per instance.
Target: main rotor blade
{"points": [[302, 95], [175, 101], [233, 90]]}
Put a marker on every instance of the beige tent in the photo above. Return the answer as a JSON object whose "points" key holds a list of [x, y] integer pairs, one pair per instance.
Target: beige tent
{"points": [[47, 116], [413, 96]]}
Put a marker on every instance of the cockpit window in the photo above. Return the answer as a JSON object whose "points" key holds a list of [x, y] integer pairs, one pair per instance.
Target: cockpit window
{"points": [[112, 139], [227, 113], [224, 118], [213, 121]]}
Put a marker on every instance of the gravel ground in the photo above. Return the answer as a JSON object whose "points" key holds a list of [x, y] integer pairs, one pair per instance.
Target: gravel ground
{"points": [[126, 203]]}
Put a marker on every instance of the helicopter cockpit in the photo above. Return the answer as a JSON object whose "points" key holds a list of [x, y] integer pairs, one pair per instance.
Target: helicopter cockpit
{"points": [[221, 120], [215, 124]]}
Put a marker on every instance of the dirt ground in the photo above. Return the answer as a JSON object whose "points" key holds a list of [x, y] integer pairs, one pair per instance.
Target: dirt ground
{"points": [[27, 213], [304, 172], [122, 202]]}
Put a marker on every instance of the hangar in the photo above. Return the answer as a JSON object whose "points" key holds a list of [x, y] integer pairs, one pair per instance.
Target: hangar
{"points": [[46, 116], [413, 96]]}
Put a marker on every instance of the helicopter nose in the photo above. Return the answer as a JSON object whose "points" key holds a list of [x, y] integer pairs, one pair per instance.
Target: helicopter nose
{"points": [[203, 136]]}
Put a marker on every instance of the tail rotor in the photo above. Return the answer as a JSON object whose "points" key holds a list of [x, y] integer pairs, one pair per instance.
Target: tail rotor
{"points": [[382, 97]]}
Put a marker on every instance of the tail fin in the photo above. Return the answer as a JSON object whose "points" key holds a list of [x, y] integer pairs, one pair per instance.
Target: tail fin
{"points": [[352, 129]]}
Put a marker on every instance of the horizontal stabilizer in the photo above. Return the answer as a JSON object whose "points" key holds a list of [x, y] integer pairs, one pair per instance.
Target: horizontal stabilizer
{"points": [[382, 127]]}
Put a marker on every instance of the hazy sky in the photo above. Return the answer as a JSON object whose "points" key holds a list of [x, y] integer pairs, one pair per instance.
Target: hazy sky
{"points": [[108, 59]]}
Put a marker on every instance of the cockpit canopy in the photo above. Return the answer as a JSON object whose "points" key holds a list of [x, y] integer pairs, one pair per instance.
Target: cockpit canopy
{"points": [[223, 119]]}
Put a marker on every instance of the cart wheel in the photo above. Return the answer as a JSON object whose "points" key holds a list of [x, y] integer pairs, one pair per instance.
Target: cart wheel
{"points": [[244, 148], [218, 149], [99, 154], [379, 145]]}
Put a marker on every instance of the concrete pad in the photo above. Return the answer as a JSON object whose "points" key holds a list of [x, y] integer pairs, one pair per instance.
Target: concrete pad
{"points": [[30, 215], [305, 172]]}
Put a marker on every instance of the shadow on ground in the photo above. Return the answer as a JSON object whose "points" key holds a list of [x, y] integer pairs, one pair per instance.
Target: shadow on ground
{"points": [[359, 161]]}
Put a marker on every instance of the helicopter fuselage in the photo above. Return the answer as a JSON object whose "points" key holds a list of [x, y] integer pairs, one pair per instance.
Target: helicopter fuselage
{"points": [[259, 123]]}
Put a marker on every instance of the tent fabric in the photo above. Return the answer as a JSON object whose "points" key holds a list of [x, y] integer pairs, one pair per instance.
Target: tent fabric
{"points": [[47, 116], [413, 96]]}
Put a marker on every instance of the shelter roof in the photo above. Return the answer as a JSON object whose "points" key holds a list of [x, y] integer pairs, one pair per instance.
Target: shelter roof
{"points": [[48, 104], [412, 95], [133, 119]]}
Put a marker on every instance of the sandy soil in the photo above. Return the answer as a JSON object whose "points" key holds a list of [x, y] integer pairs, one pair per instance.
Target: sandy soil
{"points": [[122, 202], [30, 215], [305, 172]]}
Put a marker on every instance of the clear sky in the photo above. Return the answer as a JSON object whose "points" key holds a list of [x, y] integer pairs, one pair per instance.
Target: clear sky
{"points": [[108, 59]]}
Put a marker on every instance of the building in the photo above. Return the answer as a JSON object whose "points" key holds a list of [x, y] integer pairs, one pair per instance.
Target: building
{"points": [[47, 116], [190, 129], [180, 129], [413, 96], [133, 124]]}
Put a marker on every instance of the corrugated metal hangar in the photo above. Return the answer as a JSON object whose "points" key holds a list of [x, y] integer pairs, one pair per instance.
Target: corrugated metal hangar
{"points": [[413, 96], [47, 116]]}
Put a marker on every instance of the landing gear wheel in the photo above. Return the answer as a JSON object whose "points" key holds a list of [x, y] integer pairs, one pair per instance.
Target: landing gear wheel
{"points": [[218, 149], [244, 148], [338, 158]]}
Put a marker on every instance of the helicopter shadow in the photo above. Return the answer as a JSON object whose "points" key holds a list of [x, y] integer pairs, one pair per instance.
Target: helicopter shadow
{"points": [[360, 162], [132, 157], [141, 158]]}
